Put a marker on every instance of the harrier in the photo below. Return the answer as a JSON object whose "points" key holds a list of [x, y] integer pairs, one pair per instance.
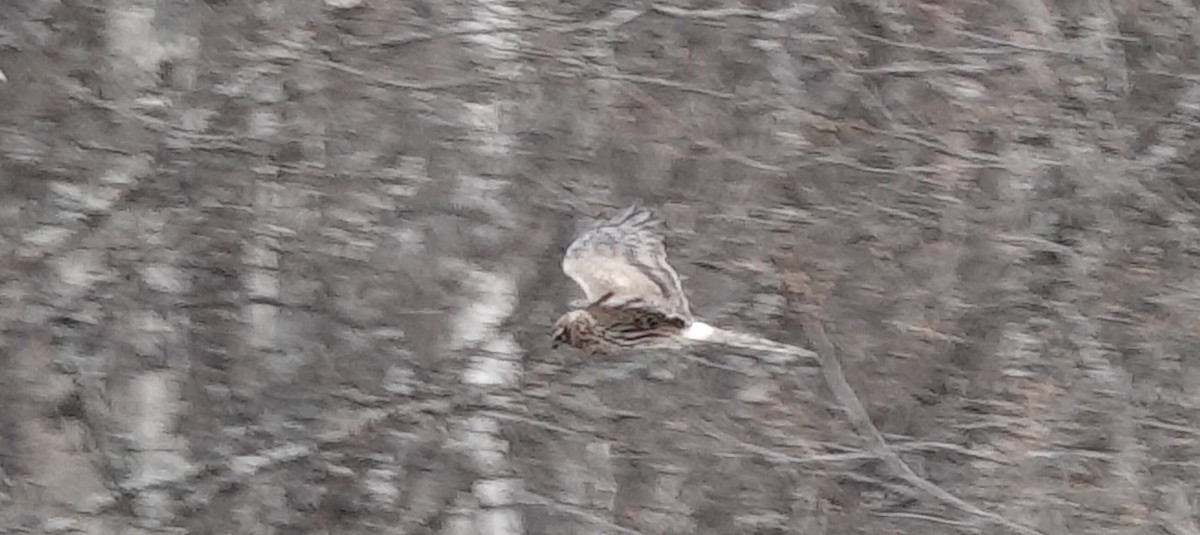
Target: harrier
{"points": [[634, 299]]}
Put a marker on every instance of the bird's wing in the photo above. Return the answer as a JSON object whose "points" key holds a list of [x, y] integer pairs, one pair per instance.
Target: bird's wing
{"points": [[623, 257]]}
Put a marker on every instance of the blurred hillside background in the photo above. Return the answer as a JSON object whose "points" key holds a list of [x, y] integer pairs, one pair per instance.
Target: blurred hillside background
{"points": [[288, 266]]}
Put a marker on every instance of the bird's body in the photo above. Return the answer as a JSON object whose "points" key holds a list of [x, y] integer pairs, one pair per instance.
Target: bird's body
{"points": [[605, 329], [634, 297]]}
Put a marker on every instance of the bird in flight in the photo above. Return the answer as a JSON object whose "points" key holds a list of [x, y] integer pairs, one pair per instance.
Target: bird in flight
{"points": [[634, 299]]}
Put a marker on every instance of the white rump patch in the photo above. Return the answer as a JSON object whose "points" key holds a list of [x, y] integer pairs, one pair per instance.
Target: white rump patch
{"points": [[698, 331]]}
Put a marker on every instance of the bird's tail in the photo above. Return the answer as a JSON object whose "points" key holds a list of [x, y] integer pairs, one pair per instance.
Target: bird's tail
{"points": [[705, 333]]}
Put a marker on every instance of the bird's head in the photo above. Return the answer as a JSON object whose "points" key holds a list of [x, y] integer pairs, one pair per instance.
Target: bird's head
{"points": [[569, 326]]}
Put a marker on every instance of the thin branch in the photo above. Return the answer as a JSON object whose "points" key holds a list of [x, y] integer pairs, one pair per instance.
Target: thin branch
{"points": [[531, 498], [926, 48], [1169, 426], [650, 102], [668, 83], [929, 518], [857, 414], [500, 415], [921, 67], [796, 10], [282, 55], [850, 454], [614, 20], [704, 362], [1027, 48]]}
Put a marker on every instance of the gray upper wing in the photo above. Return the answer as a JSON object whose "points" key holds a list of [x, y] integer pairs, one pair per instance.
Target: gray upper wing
{"points": [[624, 256]]}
